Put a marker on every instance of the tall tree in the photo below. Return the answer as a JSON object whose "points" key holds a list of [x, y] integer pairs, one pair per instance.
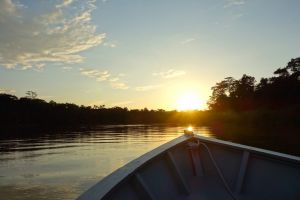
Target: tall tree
{"points": [[31, 94], [220, 100]]}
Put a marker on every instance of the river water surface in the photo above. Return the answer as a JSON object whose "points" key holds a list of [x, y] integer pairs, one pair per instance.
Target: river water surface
{"points": [[62, 165]]}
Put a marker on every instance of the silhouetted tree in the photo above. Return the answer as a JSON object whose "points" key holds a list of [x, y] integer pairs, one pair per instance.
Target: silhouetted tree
{"points": [[282, 90], [221, 92], [278, 94], [31, 94], [233, 94]]}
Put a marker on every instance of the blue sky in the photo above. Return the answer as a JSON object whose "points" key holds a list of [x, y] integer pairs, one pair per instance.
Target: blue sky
{"points": [[141, 53]]}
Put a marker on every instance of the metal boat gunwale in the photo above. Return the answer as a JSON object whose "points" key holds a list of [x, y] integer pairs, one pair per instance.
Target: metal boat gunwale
{"points": [[109, 183], [256, 150]]}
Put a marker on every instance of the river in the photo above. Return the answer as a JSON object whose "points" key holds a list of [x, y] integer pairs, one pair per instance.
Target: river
{"points": [[61, 165]]}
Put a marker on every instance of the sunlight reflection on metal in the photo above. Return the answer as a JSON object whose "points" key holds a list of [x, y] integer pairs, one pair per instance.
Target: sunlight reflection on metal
{"points": [[205, 134], [190, 128], [189, 131]]}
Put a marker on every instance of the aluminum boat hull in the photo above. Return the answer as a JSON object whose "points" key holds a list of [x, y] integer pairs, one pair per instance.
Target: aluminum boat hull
{"points": [[196, 167]]}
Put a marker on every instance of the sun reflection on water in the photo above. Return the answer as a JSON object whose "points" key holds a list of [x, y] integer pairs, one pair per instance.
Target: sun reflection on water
{"points": [[75, 160]]}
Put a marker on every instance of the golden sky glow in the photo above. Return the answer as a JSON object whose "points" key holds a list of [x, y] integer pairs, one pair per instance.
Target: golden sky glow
{"points": [[90, 53], [190, 100]]}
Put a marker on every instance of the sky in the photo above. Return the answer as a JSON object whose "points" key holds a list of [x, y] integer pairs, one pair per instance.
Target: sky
{"points": [[139, 53]]}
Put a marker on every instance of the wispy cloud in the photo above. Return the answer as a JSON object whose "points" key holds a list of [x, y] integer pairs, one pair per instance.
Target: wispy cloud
{"points": [[114, 79], [171, 73], [7, 91], [67, 68], [99, 76], [110, 44], [57, 36], [7, 7], [230, 3], [188, 40], [119, 85], [237, 16], [146, 88], [64, 3]]}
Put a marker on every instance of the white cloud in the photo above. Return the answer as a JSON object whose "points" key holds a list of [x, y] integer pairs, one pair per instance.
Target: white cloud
{"points": [[171, 73], [64, 3], [121, 74], [56, 36], [188, 40], [7, 7], [93, 73], [146, 88], [7, 91], [40, 65], [237, 16], [230, 3], [104, 76], [119, 85], [98, 75], [110, 44], [67, 68], [114, 79]]}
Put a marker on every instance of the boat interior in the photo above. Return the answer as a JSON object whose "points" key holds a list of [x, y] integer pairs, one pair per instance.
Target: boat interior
{"points": [[203, 168]]}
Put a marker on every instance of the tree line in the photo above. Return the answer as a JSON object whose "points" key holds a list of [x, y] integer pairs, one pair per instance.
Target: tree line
{"points": [[274, 100], [30, 111], [278, 92]]}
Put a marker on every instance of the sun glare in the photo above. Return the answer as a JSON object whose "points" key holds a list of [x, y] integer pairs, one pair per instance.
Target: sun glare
{"points": [[190, 128], [189, 101]]}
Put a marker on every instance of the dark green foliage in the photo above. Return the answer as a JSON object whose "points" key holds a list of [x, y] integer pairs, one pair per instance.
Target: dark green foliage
{"points": [[278, 92], [17, 113], [272, 102]]}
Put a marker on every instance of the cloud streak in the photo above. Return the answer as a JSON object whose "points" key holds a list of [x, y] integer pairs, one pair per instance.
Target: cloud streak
{"points": [[64, 3], [100, 76], [110, 44], [231, 3], [171, 73], [7, 91], [57, 36], [188, 40], [119, 85], [93, 73], [147, 88]]}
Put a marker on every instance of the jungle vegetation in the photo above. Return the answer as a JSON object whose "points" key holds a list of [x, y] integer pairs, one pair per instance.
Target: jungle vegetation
{"points": [[273, 101]]}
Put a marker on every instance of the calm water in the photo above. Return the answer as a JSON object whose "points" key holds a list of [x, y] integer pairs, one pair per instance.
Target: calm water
{"points": [[63, 165]]}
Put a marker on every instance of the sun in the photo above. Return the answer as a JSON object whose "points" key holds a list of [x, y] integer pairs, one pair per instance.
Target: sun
{"points": [[189, 101]]}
